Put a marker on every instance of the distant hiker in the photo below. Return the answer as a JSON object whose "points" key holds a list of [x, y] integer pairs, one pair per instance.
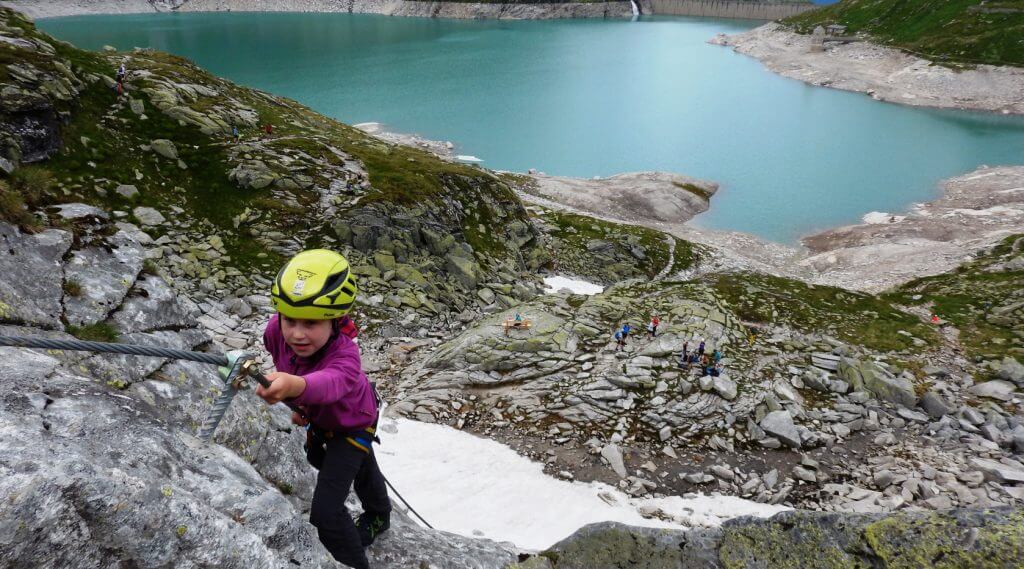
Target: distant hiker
{"points": [[319, 368], [685, 355], [700, 348], [625, 332], [519, 317], [234, 133], [269, 129], [620, 340], [122, 72], [935, 319], [716, 356], [652, 327]]}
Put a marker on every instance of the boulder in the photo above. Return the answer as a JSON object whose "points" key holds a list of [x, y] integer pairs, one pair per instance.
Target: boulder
{"points": [[935, 405], [780, 424], [148, 216], [252, 174], [126, 191], [1010, 369], [164, 148], [725, 387], [994, 389], [868, 376], [464, 270], [995, 470], [613, 455]]}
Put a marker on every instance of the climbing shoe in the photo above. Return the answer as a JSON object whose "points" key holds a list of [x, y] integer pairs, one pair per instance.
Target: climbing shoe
{"points": [[372, 525]]}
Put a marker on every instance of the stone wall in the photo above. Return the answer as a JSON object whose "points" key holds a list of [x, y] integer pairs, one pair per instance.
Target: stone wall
{"points": [[423, 9], [751, 10]]}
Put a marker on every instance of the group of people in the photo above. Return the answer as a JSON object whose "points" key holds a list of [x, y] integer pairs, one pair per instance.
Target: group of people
{"points": [[268, 131], [622, 334], [707, 364]]}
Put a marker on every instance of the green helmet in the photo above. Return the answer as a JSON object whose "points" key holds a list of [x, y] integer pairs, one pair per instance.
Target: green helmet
{"points": [[314, 285]]}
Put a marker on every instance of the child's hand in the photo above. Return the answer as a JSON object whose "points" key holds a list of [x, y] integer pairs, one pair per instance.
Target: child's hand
{"points": [[282, 386], [299, 420]]}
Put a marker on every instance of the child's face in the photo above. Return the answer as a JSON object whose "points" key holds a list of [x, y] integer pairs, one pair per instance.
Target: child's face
{"points": [[305, 337]]}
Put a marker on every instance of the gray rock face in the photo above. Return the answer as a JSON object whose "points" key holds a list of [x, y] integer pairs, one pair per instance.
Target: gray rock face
{"points": [[31, 275], [780, 424], [103, 274], [105, 469]]}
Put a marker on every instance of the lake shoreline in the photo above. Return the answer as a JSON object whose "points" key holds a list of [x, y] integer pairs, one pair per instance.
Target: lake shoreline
{"points": [[974, 211], [884, 73]]}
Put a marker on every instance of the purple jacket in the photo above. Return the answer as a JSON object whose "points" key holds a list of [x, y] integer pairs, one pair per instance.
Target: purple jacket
{"points": [[338, 396]]}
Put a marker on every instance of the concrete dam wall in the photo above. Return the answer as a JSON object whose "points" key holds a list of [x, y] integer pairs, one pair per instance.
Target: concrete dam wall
{"points": [[749, 9]]}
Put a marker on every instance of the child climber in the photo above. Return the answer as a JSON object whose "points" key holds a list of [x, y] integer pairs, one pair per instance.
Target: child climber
{"points": [[319, 368]]}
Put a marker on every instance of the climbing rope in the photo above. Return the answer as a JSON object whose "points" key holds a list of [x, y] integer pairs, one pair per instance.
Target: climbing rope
{"points": [[404, 501], [156, 352], [110, 348]]}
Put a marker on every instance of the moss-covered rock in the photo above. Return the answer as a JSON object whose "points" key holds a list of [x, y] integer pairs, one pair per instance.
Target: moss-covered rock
{"points": [[802, 540]]}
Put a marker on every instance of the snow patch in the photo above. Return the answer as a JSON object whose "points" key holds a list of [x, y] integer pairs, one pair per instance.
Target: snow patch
{"points": [[979, 176], [468, 158], [879, 217], [474, 486], [576, 286]]}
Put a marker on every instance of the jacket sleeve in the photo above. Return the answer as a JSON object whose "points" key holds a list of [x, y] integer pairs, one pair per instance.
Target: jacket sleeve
{"points": [[332, 383]]}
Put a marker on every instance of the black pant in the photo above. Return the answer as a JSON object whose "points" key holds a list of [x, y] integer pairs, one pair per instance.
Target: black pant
{"points": [[343, 465]]}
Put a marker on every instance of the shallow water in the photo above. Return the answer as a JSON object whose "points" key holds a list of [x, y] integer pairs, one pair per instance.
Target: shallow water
{"points": [[594, 98]]}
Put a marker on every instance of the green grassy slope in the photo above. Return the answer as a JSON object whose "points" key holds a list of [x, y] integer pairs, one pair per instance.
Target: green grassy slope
{"points": [[961, 31]]}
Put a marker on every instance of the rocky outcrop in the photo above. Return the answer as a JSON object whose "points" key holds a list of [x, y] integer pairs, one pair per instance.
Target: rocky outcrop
{"points": [[35, 93], [647, 196], [102, 464], [957, 538], [561, 388]]}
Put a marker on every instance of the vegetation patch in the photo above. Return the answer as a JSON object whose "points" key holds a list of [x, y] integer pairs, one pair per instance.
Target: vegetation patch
{"points": [[852, 317], [983, 298], [98, 332], [694, 189], [957, 31]]}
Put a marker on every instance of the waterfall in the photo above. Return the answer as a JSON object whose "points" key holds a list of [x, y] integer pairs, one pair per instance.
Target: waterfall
{"points": [[636, 9]]}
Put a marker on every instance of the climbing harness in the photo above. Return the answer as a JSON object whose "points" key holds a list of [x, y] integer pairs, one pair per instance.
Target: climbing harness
{"points": [[234, 367]]}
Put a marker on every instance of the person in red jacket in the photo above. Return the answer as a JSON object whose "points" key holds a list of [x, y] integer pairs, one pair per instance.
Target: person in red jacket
{"points": [[319, 368]]}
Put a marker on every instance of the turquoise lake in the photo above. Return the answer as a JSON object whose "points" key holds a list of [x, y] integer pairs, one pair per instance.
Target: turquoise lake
{"points": [[594, 98]]}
